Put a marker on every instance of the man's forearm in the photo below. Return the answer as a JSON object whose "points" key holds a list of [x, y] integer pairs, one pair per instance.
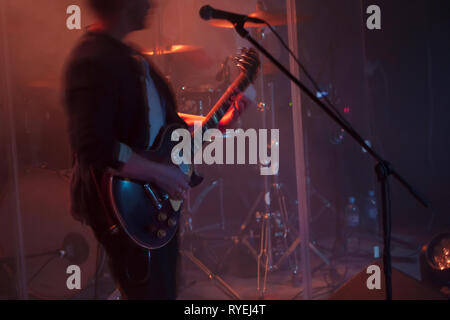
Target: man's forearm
{"points": [[139, 168], [168, 178], [244, 100]]}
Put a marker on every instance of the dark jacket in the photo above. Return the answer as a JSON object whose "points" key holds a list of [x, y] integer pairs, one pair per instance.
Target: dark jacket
{"points": [[106, 103]]}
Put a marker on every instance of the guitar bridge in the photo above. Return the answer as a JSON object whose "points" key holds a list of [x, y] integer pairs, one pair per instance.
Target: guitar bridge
{"points": [[157, 202]]}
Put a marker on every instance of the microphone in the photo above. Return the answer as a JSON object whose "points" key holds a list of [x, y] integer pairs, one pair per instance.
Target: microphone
{"points": [[208, 13]]}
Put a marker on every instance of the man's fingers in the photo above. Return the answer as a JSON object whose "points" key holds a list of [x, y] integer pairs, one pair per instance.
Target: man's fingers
{"points": [[184, 183], [179, 195]]}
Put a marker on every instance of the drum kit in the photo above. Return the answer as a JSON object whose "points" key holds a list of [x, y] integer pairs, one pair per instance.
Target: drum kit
{"points": [[266, 234]]}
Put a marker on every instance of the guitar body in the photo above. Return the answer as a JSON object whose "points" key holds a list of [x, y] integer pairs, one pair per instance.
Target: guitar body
{"points": [[144, 211], [137, 215]]}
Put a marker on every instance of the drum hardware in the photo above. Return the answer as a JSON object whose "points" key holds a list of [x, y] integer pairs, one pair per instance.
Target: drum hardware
{"points": [[189, 234], [268, 219], [273, 237], [273, 224], [191, 209], [327, 205], [265, 257], [224, 74], [197, 100], [225, 287]]}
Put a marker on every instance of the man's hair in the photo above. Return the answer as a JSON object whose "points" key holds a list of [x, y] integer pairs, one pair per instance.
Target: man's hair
{"points": [[106, 8]]}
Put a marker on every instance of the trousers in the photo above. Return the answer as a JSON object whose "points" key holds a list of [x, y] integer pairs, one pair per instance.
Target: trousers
{"points": [[139, 273]]}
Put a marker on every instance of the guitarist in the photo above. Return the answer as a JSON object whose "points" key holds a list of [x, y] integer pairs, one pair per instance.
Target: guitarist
{"points": [[117, 102]]}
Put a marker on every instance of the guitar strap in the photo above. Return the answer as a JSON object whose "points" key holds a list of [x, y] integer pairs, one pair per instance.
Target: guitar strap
{"points": [[113, 229], [111, 225]]}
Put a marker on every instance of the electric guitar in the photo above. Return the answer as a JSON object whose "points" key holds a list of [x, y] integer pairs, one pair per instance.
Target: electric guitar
{"points": [[144, 211]]}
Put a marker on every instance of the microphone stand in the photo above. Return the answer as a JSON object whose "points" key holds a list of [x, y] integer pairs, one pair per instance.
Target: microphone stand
{"points": [[383, 168]]}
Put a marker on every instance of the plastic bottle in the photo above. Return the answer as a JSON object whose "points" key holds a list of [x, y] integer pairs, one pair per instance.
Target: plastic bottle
{"points": [[372, 212], [352, 223], [352, 213]]}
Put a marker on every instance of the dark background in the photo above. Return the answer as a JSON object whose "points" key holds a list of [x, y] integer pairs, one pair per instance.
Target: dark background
{"points": [[405, 109]]}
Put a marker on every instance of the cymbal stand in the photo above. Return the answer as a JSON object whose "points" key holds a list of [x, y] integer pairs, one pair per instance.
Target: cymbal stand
{"points": [[270, 221], [265, 258], [265, 250], [265, 261], [265, 253]]}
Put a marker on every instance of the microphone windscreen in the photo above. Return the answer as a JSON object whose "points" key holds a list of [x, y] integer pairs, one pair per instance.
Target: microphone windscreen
{"points": [[206, 12]]}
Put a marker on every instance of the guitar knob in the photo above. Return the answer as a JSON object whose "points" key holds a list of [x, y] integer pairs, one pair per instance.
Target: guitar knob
{"points": [[161, 234], [172, 222], [150, 228], [162, 216]]}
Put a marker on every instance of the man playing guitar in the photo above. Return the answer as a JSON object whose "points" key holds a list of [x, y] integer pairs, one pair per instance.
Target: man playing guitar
{"points": [[117, 102]]}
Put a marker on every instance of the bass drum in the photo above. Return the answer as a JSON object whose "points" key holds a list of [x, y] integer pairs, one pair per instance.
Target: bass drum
{"points": [[48, 227]]}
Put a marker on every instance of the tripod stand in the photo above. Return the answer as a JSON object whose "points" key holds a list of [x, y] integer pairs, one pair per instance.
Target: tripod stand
{"points": [[265, 233], [272, 220], [274, 225], [189, 235]]}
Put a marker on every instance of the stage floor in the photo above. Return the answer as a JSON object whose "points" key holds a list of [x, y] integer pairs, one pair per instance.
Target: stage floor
{"points": [[282, 285]]}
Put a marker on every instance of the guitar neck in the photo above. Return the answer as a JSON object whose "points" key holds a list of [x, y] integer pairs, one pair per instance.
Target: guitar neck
{"points": [[221, 107]]}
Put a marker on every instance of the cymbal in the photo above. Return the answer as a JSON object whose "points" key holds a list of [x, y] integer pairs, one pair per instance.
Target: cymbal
{"points": [[196, 55], [274, 19], [175, 49]]}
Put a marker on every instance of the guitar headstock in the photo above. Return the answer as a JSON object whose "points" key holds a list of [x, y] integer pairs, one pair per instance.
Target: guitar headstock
{"points": [[248, 62]]}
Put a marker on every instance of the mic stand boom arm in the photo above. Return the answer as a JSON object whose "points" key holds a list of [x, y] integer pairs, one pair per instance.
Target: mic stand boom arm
{"points": [[383, 168]]}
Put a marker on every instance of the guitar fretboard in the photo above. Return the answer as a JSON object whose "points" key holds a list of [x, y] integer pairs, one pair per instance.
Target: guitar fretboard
{"points": [[222, 106]]}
